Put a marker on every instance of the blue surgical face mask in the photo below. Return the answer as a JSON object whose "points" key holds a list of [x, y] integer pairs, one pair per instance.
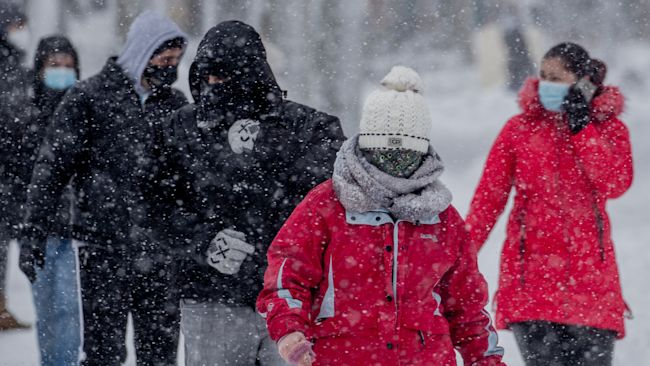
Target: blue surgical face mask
{"points": [[552, 95], [59, 78]]}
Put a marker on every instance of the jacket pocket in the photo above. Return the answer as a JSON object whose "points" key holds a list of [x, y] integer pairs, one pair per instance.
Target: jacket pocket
{"points": [[424, 322], [600, 229], [344, 324], [522, 247]]}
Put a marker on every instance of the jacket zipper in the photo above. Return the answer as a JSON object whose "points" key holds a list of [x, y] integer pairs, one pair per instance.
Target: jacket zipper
{"points": [[600, 222], [522, 247], [560, 140], [421, 334], [600, 227], [395, 259]]}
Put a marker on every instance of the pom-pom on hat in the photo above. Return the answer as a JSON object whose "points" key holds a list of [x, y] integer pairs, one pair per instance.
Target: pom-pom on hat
{"points": [[396, 117]]}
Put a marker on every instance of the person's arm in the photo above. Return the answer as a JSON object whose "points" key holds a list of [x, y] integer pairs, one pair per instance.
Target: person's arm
{"points": [[294, 270], [604, 153], [319, 139], [186, 231], [492, 193], [464, 295]]}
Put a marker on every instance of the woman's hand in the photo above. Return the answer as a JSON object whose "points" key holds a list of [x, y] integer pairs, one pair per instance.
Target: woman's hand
{"points": [[296, 350], [577, 105]]}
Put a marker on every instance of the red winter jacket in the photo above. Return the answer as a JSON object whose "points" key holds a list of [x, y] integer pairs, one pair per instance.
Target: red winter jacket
{"points": [[330, 276], [558, 260]]}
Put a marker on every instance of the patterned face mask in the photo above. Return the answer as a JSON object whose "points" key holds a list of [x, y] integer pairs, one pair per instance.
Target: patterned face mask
{"points": [[398, 163]]}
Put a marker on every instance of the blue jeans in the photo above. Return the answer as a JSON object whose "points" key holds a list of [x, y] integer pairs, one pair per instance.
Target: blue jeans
{"points": [[57, 303]]}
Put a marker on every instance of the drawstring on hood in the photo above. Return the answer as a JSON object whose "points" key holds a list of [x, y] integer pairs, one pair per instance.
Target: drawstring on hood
{"points": [[362, 187], [148, 32]]}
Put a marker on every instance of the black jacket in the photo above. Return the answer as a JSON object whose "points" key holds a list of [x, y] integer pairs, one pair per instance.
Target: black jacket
{"points": [[103, 136], [36, 119], [245, 170], [14, 108]]}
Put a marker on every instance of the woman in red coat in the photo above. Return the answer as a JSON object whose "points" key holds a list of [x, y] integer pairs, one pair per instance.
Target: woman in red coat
{"points": [[375, 266], [566, 154]]}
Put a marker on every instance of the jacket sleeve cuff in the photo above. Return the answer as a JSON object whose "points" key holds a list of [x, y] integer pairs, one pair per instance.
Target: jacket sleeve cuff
{"points": [[279, 327]]}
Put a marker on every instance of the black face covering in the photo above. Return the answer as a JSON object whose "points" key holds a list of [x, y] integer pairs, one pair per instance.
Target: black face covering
{"points": [[160, 77], [227, 97]]}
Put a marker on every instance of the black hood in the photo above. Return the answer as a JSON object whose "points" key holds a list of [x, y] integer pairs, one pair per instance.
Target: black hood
{"points": [[236, 49], [46, 47]]}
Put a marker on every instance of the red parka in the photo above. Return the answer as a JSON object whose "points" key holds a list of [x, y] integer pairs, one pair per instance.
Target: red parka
{"points": [[330, 276], [558, 261]]}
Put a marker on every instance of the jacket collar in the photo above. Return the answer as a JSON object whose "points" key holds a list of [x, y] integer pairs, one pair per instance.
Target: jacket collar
{"points": [[381, 217]]}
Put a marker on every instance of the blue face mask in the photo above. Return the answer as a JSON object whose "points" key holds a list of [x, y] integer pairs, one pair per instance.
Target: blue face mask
{"points": [[59, 78], [552, 95]]}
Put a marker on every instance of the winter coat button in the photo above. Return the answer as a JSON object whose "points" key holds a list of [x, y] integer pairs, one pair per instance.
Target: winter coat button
{"points": [[389, 298], [389, 248], [389, 345], [378, 218]]}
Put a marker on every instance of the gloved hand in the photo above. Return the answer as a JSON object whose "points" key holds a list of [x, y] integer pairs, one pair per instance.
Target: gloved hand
{"points": [[228, 250], [577, 105], [32, 256], [296, 350]]}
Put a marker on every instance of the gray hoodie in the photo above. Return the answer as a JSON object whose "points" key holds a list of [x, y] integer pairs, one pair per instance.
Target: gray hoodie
{"points": [[148, 32]]}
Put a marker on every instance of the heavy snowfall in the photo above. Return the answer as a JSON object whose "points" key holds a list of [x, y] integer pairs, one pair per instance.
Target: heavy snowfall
{"points": [[330, 55]]}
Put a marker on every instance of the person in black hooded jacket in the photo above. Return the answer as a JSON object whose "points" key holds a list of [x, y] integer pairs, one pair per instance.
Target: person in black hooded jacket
{"points": [[246, 157], [14, 100], [106, 135], [55, 286]]}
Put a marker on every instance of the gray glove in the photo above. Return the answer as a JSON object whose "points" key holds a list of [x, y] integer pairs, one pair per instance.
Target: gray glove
{"points": [[228, 250]]}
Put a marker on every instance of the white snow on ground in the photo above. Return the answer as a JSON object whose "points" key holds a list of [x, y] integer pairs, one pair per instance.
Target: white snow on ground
{"points": [[466, 121]]}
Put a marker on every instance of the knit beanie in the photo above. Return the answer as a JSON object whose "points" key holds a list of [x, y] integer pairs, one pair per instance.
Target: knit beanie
{"points": [[396, 117]]}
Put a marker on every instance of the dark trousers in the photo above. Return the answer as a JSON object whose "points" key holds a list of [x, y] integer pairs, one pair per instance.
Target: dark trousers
{"points": [[552, 344], [112, 287]]}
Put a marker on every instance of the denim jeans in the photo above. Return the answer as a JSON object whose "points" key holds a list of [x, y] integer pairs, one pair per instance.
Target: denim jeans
{"points": [[217, 334], [57, 303]]}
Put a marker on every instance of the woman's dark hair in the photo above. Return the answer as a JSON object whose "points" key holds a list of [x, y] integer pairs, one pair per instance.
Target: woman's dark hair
{"points": [[577, 60]]}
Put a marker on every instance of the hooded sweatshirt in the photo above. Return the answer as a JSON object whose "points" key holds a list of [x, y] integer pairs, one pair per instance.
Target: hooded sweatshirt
{"points": [[148, 32], [104, 137]]}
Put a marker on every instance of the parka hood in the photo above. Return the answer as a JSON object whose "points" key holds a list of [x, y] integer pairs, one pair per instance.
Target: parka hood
{"points": [[46, 47], [608, 102], [236, 49]]}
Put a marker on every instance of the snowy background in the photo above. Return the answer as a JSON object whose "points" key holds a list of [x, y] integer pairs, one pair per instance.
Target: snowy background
{"points": [[329, 54]]}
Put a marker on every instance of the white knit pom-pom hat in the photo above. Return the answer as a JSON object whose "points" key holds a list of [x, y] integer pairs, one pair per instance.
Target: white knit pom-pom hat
{"points": [[396, 116]]}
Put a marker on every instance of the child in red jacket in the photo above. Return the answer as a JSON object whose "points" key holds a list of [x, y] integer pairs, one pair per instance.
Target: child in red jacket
{"points": [[566, 154], [375, 267]]}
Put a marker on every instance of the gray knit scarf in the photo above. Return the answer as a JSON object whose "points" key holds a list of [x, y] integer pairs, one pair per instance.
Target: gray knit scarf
{"points": [[361, 187]]}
